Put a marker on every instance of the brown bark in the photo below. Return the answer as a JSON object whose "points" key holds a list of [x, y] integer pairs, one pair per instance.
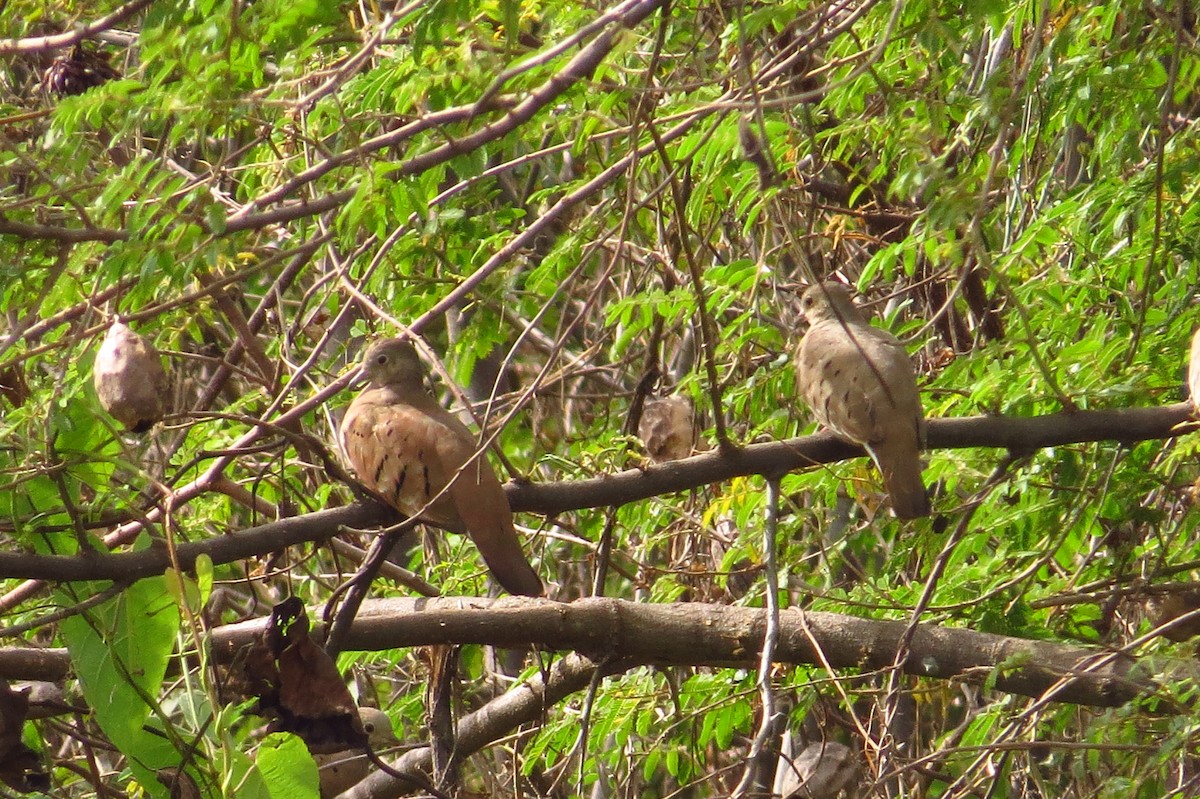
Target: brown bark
{"points": [[696, 634], [1015, 434]]}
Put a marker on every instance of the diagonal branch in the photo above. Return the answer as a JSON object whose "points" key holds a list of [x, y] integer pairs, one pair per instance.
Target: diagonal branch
{"points": [[576, 70]]}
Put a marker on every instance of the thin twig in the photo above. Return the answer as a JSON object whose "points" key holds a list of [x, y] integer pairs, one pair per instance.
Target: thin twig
{"points": [[768, 727]]}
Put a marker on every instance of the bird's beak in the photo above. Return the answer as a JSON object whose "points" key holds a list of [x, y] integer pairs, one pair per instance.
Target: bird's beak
{"points": [[359, 378]]}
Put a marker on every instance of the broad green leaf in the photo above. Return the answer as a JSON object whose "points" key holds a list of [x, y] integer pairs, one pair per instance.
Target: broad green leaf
{"points": [[287, 767], [120, 651]]}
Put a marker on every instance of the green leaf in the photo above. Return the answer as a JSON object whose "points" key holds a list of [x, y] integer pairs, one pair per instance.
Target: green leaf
{"points": [[204, 577], [120, 651], [287, 767]]}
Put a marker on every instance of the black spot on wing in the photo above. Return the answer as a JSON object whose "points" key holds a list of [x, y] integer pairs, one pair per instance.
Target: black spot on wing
{"points": [[399, 484], [826, 408]]}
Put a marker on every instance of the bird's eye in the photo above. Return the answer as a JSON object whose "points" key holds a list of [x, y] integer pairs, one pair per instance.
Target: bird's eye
{"points": [[381, 359], [368, 728]]}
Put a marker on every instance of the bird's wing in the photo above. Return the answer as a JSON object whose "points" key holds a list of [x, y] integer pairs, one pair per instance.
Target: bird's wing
{"points": [[391, 447], [408, 451], [1194, 372], [859, 381]]}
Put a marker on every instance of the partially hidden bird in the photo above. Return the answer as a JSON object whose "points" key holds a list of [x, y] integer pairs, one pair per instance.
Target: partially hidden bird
{"points": [[339, 771], [425, 462], [860, 383], [667, 429]]}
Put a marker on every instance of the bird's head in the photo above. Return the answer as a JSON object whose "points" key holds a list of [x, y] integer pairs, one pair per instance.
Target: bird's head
{"points": [[392, 361], [828, 300], [378, 727]]}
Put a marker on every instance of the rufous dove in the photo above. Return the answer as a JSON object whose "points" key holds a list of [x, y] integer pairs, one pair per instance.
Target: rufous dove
{"points": [[407, 448], [860, 383], [129, 378]]}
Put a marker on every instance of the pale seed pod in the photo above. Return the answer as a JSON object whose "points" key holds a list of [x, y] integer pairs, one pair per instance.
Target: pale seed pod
{"points": [[129, 378], [340, 771]]}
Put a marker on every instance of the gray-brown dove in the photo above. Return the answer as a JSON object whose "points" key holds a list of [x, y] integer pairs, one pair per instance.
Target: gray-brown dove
{"points": [[129, 378], [339, 771], [667, 429], [860, 384], [406, 447], [1194, 373]]}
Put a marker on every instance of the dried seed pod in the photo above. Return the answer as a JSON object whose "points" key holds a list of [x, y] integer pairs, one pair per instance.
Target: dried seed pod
{"points": [[20, 767], [78, 71], [129, 378], [13, 386], [179, 783], [754, 152], [1168, 607], [667, 429], [821, 769]]}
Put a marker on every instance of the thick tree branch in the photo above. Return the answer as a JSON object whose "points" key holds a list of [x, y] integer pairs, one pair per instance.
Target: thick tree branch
{"points": [[1020, 434], [59, 40], [701, 634], [621, 635], [1016, 434]]}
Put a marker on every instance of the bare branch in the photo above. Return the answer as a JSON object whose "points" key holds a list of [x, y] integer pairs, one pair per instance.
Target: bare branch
{"points": [[36, 43], [700, 634]]}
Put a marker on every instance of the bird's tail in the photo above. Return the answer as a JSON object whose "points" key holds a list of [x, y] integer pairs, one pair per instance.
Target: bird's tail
{"points": [[900, 465], [483, 513], [508, 565]]}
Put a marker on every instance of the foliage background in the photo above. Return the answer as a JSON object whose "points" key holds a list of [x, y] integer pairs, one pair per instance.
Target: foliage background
{"points": [[1014, 184]]}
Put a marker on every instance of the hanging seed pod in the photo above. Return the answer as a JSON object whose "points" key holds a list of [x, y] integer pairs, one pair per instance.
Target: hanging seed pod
{"points": [[180, 784], [13, 387], [78, 71], [754, 152], [340, 771], [129, 378]]}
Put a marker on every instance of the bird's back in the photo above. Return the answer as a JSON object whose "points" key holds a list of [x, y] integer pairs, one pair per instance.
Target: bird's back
{"points": [[425, 462], [855, 377]]}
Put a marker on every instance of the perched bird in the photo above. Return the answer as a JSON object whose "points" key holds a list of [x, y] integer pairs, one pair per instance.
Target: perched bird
{"points": [[129, 378], [667, 429], [339, 771], [407, 448], [1194, 373], [860, 383]]}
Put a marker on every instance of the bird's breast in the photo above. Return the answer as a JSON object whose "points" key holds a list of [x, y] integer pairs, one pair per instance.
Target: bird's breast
{"points": [[393, 449]]}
